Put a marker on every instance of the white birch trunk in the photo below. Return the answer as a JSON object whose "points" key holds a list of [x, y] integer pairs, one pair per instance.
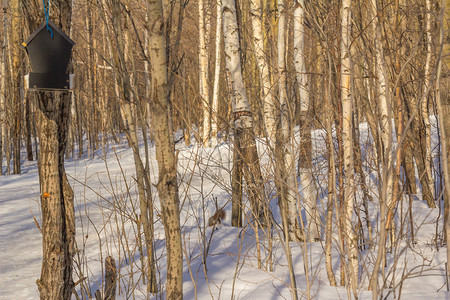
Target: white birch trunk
{"points": [[243, 119], [203, 57], [385, 115], [385, 110], [347, 136], [215, 98], [245, 141], [291, 216], [233, 63], [299, 55], [263, 67], [286, 128], [424, 103], [306, 178]]}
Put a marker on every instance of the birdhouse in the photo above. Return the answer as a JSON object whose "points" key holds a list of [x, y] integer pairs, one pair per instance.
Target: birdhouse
{"points": [[49, 51]]}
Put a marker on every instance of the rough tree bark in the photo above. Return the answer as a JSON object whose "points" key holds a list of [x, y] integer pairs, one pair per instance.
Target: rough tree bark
{"points": [[58, 222], [58, 217], [165, 150], [110, 278]]}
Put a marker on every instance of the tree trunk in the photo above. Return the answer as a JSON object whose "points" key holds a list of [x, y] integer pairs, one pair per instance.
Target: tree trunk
{"points": [[215, 99], [408, 158], [110, 278], [263, 67], [444, 125], [3, 94], [305, 158], [28, 122], [398, 107], [91, 94], [347, 139], [419, 149], [291, 216], [203, 58], [331, 201], [80, 128], [236, 183], [287, 157], [58, 216], [165, 150], [385, 125], [243, 120], [16, 35], [428, 159]]}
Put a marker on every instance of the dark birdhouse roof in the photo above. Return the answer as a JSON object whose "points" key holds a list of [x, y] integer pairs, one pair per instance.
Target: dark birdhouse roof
{"points": [[54, 28], [49, 54]]}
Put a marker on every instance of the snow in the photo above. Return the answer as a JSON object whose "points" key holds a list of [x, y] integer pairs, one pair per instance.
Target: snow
{"points": [[106, 205]]}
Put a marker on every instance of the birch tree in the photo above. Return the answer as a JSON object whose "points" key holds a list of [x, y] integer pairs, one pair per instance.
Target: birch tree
{"points": [[305, 159], [217, 71], [397, 101], [347, 139], [165, 150], [203, 23], [286, 153], [385, 125], [444, 124], [385, 108], [424, 103], [289, 191], [263, 67], [243, 119]]}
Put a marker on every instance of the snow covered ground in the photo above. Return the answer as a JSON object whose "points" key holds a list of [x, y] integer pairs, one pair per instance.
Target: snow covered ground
{"points": [[106, 206]]}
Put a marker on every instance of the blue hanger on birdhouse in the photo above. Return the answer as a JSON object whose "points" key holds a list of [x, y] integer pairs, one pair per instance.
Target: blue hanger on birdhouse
{"points": [[47, 13]]}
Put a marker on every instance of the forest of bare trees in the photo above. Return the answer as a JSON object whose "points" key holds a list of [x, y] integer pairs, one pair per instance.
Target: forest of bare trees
{"points": [[261, 76]]}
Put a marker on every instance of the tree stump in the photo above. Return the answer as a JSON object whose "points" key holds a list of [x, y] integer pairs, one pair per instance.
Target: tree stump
{"points": [[110, 278]]}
